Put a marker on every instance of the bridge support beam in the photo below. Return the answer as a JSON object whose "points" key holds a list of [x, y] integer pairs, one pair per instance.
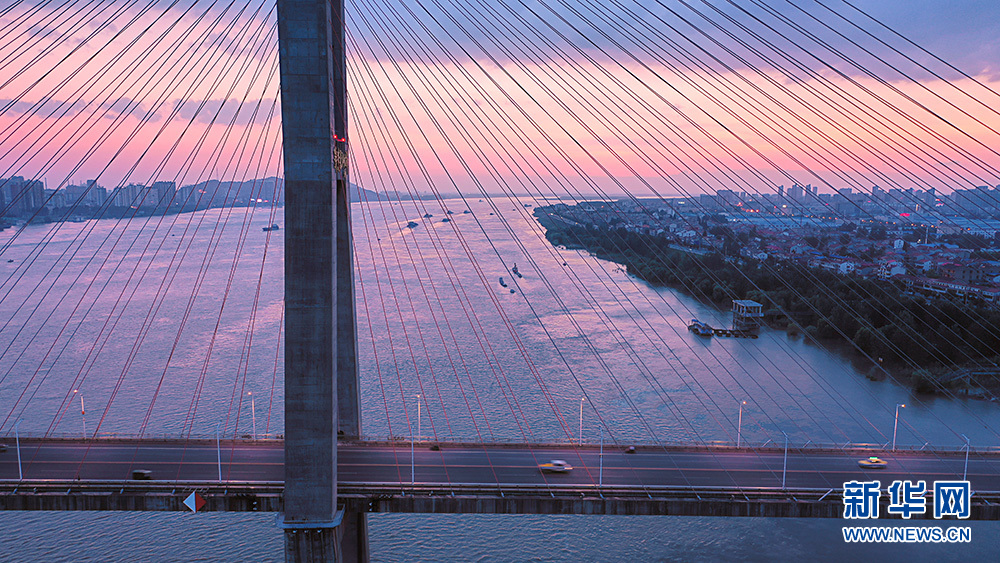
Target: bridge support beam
{"points": [[321, 387]]}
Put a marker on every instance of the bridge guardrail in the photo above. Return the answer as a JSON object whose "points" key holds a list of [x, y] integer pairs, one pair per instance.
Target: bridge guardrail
{"points": [[609, 446], [348, 488], [712, 444]]}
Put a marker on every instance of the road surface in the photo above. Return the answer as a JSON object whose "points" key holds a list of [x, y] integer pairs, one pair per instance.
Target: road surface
{"points": [[505, 465]]}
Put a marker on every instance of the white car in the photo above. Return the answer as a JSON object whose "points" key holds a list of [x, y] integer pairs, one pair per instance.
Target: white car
{"points": [[555, 466], [872, 462]]}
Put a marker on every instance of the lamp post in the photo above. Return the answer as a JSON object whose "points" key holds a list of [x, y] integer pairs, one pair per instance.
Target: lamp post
{"points": [[419, 416], [965, 472], [218, 449], [739, 424], [581, 419], [600, 474], [784, 465], [17, 440], [413, 464], [253, 414], [896, 425], [83, 413]]}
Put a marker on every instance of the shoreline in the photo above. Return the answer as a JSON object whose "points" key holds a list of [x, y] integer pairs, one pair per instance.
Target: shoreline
{"points": [[700, 275]]}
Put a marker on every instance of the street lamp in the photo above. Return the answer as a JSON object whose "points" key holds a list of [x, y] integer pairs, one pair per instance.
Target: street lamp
{"points": [[896, 424], [83, 413], [784, 465], [739, 424], [17, 439], [581, 419], [600, 474], [965, 472], [218, 449], [419, 416], [413, 464], [253, 414]]}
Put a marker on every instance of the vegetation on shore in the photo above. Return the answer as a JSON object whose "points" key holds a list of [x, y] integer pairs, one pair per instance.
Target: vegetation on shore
{"points": [[916, 339]]}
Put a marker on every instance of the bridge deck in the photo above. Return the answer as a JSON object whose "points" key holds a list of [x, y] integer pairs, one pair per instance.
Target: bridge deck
{"points": [[376, 477]]}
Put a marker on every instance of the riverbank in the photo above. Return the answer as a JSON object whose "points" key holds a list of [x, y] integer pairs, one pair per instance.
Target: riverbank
{"points": [[922, 343]]}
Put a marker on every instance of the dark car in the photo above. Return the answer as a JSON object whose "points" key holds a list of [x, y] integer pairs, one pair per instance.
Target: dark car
{"points": [[142, 475]]}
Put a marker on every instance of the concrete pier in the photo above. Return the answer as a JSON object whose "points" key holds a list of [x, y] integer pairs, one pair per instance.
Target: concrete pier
{"points": [[320, 330]]}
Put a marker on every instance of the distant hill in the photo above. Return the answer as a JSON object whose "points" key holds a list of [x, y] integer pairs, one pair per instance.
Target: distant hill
{"points": [[362, 194], [217, 193]]}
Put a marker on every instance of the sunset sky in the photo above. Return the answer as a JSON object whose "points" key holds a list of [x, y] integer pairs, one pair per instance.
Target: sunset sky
{"points": [[534, 97]]}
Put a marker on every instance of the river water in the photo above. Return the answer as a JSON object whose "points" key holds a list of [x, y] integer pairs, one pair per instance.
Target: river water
{"points": [[166, 326]]}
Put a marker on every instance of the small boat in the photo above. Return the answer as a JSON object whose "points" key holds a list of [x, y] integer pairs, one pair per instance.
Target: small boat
{"points": [[427, 215], [512, 292], [411, 225], [466, 212], [700, 328], [450, 212], [446, 220], [272, 227], [502, 283]]}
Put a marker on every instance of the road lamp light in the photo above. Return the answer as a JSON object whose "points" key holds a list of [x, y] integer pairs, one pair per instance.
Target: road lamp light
{"points": [[253, 414], [581, 419], [739, 424], [965, 472], [419, 416], [896, 425], [17, 441]]}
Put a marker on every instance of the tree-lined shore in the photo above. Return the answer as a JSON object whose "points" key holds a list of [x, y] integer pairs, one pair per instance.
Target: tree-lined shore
{"points": [[920, 341]]}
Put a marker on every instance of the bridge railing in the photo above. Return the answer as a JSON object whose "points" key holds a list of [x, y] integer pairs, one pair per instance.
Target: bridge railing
{"points": [[770, 444], [152, 437], [374, 489]]}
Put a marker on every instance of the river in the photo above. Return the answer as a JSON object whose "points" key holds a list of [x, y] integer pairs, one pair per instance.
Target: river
{"points": [[125, 311]]}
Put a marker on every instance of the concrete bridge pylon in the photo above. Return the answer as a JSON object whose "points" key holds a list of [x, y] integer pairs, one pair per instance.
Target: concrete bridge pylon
{"points": [[321, 380]]}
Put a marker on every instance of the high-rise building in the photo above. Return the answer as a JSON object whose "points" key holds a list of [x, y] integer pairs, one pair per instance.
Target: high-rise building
{"points": [[164, 192], [795, 192], [21, 197], [128, 196], [727, 197]]}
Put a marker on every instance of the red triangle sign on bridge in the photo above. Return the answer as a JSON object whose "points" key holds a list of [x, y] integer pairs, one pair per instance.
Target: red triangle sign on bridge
{"points": [[194, 502]]}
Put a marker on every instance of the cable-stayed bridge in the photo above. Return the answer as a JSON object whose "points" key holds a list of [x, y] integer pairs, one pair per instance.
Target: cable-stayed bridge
{"points": [[155, 299]]}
